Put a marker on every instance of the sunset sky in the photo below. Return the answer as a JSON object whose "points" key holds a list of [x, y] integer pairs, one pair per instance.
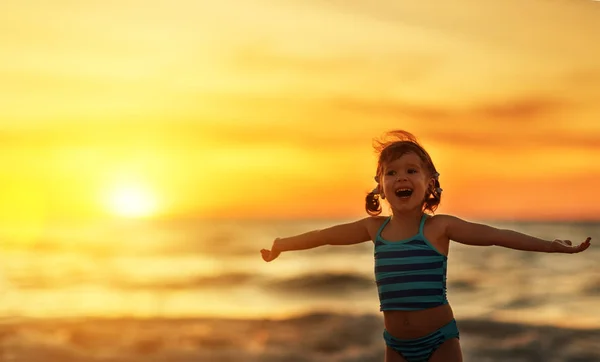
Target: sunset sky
{"points": [[264, 108]]}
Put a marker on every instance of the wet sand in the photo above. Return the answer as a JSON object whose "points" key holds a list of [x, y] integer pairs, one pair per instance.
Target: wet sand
{"points": [[313, 337]]}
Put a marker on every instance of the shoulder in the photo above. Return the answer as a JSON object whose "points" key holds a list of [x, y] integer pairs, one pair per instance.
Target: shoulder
{"points": [[373, 223], [439, 223], [442, 219], [449, 224], [435, 231]]}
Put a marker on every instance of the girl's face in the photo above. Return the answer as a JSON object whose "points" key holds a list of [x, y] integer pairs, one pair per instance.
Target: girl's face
{"points": [[405, 182]]}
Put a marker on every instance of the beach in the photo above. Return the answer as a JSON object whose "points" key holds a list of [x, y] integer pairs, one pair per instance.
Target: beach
{"points": [[198, 291], [315, 337]]}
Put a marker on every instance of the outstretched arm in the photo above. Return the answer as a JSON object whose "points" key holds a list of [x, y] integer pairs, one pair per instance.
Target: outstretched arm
{"points": [[344, 234], [483, 235]]}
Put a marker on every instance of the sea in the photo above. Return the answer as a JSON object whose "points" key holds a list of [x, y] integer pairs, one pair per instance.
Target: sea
{"points": [[198, 290]]}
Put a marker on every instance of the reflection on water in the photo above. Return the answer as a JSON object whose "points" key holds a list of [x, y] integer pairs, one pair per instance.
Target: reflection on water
{"points": [[211, 268]]}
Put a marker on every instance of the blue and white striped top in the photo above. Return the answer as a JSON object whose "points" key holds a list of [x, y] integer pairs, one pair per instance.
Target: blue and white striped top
{"points": [[410, 273]]}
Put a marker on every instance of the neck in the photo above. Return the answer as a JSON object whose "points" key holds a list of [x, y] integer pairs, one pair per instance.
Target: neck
{"points": [[407, 219]]}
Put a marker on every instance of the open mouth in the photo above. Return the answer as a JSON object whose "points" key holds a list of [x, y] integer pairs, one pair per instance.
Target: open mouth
{"points": [[404, 192]]}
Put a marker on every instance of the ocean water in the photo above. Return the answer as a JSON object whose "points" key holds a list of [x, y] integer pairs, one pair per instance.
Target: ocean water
{"points": [[213, 268], [182, 291]]}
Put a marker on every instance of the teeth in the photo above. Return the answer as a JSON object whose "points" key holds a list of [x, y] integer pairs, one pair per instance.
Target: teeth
{"points": [[404, 192]]}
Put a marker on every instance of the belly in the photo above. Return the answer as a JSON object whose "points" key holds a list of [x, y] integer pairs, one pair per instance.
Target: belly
{"points": [[414, 324]]}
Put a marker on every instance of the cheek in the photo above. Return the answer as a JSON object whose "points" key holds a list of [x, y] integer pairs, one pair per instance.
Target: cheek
{"points": [[387, 187], [421, 185], [388, 182]]}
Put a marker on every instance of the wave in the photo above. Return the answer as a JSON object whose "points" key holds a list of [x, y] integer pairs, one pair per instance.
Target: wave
{"points": [[323, 283], [592, 288], [327, 283], [222, 281]]}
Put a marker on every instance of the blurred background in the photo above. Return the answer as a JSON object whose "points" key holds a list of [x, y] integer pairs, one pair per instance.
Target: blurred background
{"points": [[150, 149]]}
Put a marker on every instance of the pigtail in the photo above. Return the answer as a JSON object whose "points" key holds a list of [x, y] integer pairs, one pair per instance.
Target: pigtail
{"points": [[372, 204], [434, 196]]}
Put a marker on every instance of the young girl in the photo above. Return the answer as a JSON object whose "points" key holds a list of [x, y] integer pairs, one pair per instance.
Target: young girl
{"points": [[411, 249]]}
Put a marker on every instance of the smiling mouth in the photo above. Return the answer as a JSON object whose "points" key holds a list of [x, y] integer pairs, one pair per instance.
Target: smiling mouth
{"points": [[404, 192]]}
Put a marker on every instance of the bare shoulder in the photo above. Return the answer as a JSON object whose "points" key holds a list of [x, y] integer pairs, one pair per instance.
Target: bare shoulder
{"points": [[373, 223], [455, 228], [439, 222], [436, 232]]}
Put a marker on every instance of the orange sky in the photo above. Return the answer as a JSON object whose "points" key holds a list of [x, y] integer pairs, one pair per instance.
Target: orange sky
{"points": [[267, 108]]}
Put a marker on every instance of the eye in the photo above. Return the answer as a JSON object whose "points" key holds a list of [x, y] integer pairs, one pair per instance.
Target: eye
{"points": [[412, 170], [390, 173]]}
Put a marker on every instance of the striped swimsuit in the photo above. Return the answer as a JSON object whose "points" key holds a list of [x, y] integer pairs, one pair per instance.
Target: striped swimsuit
{"points": [[411, 275]]}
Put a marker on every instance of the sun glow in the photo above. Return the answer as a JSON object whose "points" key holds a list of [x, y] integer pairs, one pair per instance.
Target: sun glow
{"points": [[132, 201]]}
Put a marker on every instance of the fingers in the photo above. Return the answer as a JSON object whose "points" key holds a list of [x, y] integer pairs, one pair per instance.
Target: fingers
{"points": [[586, 244], [266, 254], [581, 247], [566, 246], [269, 255]]}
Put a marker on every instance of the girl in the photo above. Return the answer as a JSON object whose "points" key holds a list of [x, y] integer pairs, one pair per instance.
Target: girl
{"points": [[411, 249]]}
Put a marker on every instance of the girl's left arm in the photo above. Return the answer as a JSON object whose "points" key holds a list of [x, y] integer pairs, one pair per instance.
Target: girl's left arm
{"points": [[471, 233]]}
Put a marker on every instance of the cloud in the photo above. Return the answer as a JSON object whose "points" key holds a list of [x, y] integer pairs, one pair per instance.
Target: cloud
{"points": [[498, 139], [176, 136], [405, 65], [584, 82], [328, 123], [517, 110], [498, 23]]}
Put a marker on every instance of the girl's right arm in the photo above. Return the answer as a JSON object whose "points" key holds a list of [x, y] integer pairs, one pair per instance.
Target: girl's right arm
{"points": [[343, 234]]}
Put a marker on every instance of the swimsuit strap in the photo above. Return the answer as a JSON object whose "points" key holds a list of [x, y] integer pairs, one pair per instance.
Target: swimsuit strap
{"points": [[382, 226], [422, 225]]}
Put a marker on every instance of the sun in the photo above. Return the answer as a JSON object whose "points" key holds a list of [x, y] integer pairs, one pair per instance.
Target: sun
{"points": [[132, 201]]}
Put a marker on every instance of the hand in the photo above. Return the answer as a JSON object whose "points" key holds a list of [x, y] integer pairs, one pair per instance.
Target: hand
{"points": [[565, 246], [270, 255]]}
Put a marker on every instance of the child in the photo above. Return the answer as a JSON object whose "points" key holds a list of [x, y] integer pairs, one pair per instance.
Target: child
{"points": [[411, 249]]}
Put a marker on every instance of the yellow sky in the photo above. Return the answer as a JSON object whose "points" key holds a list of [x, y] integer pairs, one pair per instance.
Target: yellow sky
{"points": [[267, 108]]}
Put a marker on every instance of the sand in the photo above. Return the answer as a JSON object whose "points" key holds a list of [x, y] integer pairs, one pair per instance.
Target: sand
{"points": [[313, 337]]}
